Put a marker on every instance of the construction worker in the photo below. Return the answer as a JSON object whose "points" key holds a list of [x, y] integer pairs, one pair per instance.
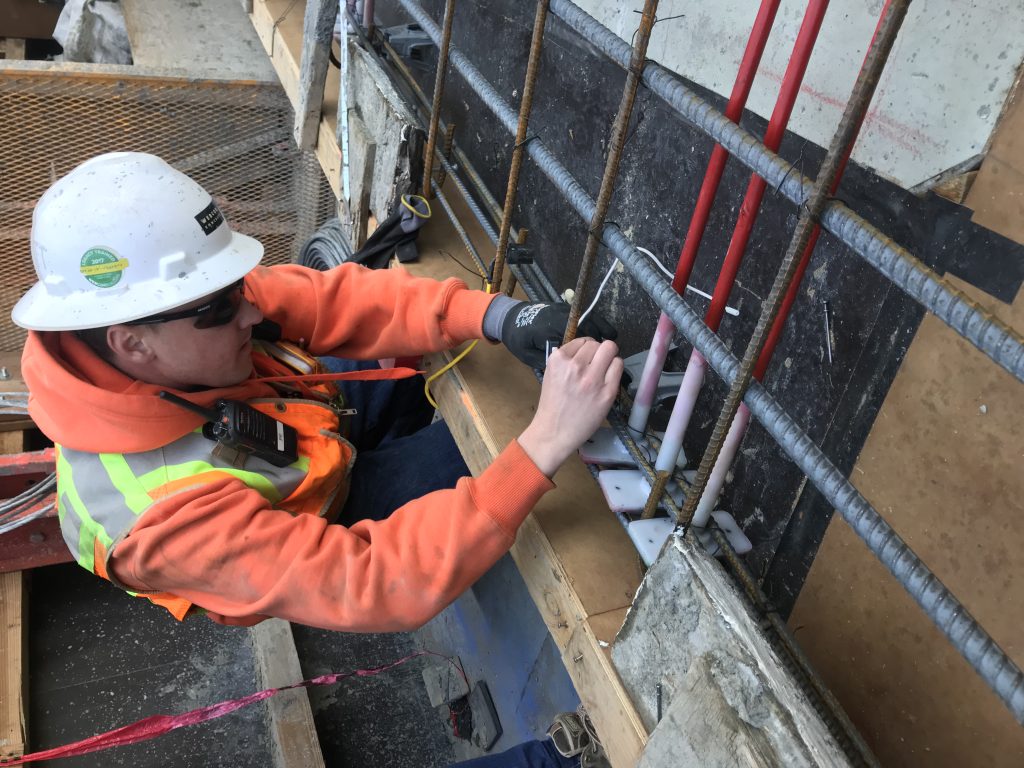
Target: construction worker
{"points": [[144, 289]]}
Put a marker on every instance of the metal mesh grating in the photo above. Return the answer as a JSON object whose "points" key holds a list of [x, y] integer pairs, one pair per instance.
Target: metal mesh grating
{"points": [[233, 138]]}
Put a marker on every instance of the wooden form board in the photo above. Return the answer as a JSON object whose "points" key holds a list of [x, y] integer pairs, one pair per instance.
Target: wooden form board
{"points": [[279, 24], [292, 730], [13, 645], [577, 561]]}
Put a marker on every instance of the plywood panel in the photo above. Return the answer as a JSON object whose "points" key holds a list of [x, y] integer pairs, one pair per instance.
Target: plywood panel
{"points": [[943, 464]]}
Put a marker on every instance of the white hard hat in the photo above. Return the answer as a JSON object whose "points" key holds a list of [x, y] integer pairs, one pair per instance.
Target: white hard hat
{"points": [[124, 236]]}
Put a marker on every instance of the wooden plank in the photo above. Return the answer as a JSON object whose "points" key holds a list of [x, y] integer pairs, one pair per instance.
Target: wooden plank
{"points": [[942, 463], [14, 675], [362, 154], [291, 718], [214, 40], [279, 26], [317, 35], [13, 645]]}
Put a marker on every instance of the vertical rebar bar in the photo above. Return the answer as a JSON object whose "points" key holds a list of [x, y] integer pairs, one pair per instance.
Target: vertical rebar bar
{"points": [[620, 129], [525, 106], [833, 164], [446, 153], [435, 109]]}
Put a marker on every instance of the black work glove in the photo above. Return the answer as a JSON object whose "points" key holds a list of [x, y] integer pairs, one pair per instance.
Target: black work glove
{"points": [[531, 331]]}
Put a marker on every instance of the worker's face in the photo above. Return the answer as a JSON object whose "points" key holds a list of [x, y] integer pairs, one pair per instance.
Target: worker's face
{"points": [[188, 355]]}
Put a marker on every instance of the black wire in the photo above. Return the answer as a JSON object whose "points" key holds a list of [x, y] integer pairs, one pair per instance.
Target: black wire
{"points": [[797, 165], [474, 272]]}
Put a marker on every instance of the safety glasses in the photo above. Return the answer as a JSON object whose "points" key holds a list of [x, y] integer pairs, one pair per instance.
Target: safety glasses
{"points": [[221, 309]]}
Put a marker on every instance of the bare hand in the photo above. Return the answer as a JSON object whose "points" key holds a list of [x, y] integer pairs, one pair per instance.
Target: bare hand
{"points": [[580, 384]]}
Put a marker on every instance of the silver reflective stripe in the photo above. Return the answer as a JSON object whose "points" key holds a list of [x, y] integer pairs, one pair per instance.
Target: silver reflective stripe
{"points": [[94, 499], [70, 524], [193, 454]]}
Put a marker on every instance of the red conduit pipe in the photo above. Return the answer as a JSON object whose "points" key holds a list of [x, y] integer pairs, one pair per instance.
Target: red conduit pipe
{"points": [[716, 166], [780, 321], [738, 429], [752, 54], [750, 208], [694, 376]]}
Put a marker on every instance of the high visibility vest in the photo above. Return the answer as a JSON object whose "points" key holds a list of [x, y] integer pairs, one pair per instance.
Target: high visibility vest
{"points": [[101, 496]]}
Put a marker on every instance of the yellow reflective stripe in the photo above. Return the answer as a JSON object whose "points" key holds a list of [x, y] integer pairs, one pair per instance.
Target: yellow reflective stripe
{"points": [[89, 529], [135, 496], [301, 463], [171, 472]]}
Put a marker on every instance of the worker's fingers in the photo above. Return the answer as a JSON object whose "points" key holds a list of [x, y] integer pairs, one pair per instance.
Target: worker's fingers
{"points": [[585, 352], [613, 376], [569, 350], [604, 354]]}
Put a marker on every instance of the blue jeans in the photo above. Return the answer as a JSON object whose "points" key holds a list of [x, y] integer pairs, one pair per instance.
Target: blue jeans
{"points": [[400, 454], [531, 754]]}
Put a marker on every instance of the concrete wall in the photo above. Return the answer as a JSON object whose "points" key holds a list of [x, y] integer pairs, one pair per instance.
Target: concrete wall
{"points": [[706, 680], [939, 99]]}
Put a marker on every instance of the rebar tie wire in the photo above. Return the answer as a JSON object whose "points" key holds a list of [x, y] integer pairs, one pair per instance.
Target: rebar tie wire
{"points": [[525, 107], [435, 110], [611, 168], [831, 167]]}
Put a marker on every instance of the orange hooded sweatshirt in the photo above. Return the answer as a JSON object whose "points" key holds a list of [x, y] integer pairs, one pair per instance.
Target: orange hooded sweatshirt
{"points": [[222, 545]]}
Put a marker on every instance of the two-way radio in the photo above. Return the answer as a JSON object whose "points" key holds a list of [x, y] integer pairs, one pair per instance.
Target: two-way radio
{"points": [[241, 427]]}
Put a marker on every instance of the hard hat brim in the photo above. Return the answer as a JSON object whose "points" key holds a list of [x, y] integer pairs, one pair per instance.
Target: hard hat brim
{"points": [[38, 310]]}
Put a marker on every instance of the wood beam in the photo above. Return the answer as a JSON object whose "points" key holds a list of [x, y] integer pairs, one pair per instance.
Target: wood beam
{"points": [[291, 719]]}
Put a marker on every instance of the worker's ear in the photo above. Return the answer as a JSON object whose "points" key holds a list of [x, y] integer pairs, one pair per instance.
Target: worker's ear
{"points": [[129, 344]]}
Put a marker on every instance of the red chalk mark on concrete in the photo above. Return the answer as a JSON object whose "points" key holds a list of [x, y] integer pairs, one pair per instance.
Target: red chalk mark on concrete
{"points": [[905, 136]]}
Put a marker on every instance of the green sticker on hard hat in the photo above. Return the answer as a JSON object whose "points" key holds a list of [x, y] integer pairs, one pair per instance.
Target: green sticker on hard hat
{"points": [[102, 268]]}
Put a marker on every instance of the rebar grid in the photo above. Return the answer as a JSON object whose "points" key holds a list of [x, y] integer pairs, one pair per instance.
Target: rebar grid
{"points": [[998, 341], [831, 167], [1003, 344], [525, 107], [620, 129], [435, 109]]}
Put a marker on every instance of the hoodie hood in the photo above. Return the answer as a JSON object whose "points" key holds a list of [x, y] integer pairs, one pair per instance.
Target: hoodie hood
{"points": [[83, 403]]}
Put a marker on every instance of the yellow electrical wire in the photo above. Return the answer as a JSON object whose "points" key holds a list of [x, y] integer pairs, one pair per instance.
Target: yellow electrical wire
{"points": [[487, 287], [452, 364]]}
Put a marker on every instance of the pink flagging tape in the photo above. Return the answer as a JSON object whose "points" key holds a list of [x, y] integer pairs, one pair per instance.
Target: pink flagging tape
{"points": [[158, 725]]}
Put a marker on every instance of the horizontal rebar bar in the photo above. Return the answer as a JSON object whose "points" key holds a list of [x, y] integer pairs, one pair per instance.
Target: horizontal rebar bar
{"points": [[616, 143], [1003, 344], [965, 634]]}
